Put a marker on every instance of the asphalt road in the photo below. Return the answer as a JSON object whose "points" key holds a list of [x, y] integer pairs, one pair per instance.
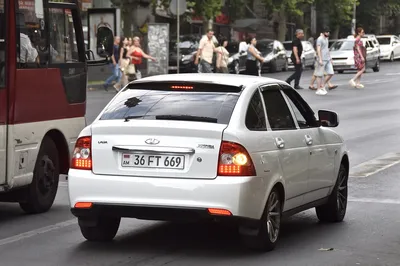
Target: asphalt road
{"points": [[369, 235]]}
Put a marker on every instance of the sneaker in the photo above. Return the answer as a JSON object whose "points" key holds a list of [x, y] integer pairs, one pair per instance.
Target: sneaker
{"points": [[324, 89], [116, 87], [360, 86], [352, 83], [321, 91]]}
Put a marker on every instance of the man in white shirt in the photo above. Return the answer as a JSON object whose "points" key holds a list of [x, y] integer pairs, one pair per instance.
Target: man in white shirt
{"points": [[206, 53], [28, 54]]}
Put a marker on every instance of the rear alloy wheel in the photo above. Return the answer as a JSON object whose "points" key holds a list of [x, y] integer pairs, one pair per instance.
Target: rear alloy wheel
{"points": [[236, 69], [269, 228], [335, 209], [391, 57], [104, 229], [377, 66], [42, 191]]}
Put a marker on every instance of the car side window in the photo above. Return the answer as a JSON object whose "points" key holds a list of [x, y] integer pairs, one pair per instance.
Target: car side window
{"points": [[255, 116], [303, 113], [278, 112]]}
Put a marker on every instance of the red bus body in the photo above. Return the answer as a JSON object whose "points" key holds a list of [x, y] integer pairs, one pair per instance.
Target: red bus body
{"points": [[43, 102]]}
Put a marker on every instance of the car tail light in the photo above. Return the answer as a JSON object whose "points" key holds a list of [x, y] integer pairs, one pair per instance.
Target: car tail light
{"points": [[221, 212], [234, 160], [82, 157]]}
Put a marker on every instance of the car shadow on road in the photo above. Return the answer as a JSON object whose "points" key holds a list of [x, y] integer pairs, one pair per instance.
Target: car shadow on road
{"points": [[217, 241]]}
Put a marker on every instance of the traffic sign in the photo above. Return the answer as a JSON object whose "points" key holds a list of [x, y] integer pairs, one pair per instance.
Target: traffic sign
{"points": [[177, 7]]}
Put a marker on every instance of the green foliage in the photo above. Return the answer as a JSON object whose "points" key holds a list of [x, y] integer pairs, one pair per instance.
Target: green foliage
{"points": [[340, 12], [291, 7], [208, 9]]}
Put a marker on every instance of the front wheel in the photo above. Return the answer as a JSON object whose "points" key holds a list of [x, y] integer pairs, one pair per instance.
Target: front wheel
{"points": [[269, 227], [42, 191], [391, 57], [335, 209], [104, 229], [377, 66]]}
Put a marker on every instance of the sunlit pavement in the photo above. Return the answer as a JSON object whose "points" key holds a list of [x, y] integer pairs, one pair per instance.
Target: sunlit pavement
{"points": [[369, 121]]}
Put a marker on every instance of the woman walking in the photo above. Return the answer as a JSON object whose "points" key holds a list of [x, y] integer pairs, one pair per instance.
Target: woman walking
{"points": [[123, 63], [223, 57], [136, 55], [359, 59], [252, 66]]}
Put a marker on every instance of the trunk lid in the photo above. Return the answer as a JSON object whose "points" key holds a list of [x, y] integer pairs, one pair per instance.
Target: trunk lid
{"points": [[156, 148]]}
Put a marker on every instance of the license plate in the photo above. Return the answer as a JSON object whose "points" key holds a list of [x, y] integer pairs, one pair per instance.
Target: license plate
{"points": [[153, 161], [172, 68]]}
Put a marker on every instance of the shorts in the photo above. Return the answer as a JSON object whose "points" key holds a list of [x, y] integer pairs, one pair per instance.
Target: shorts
{"points": [[326, 68]]}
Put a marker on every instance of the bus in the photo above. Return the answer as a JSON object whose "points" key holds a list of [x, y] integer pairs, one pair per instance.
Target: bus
{"points": [[43, 78]]}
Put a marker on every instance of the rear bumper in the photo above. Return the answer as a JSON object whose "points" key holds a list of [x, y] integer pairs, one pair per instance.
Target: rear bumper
{"points": [[165, 198]]}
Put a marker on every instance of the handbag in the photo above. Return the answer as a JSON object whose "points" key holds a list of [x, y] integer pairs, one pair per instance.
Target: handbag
{"points": [[130, 69]]}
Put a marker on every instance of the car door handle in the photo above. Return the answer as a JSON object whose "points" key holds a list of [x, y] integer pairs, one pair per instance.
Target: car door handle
{"points": [[280, 143], [309, 140]]}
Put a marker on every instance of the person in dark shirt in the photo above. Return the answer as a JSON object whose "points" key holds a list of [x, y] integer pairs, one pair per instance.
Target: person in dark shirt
{"points": [[297, 50], [116, 75]]}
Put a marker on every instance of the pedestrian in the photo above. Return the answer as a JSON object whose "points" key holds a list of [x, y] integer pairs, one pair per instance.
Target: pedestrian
{"points": [[123, 62], [205, 53], [297, 51], [116, 75], [223, 57], [252, 66], [324, 62], [359, 58], [136, 56]]}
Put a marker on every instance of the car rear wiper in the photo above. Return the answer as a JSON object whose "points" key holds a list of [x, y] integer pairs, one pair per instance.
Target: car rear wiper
{"points": [[127, 118], [187, 118]]}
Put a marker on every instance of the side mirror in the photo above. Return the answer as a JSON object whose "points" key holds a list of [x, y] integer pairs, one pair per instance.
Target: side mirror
{"points": [[328, 118]]}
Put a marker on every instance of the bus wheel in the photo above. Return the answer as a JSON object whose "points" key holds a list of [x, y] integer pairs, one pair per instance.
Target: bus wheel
{"points": [[42, 191]]}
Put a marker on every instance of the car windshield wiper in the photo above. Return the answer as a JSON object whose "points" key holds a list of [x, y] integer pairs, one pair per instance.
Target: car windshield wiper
{"points": [[127, 118], [187, 118]]}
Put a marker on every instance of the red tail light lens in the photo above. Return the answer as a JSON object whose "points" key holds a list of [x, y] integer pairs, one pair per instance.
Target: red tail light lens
{"points": [[234, 160], [82, 157]]}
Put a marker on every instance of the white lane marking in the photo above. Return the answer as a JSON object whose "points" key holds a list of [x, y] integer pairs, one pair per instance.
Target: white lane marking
{"points": [[375, 166], [392, 74], [32, 233], [371, 200]]}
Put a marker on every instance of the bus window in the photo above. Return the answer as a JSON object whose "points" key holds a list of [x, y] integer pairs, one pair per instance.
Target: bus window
{"points": [[2, 44], [62, 36], [31, 28]]}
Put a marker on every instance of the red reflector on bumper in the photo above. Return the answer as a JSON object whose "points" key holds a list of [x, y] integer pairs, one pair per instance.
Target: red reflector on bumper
{"points": [[219, 212], [83, 205]]}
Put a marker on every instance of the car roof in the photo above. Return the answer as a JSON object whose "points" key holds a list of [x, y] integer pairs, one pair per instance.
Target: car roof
{"points": [[213, 78], [385, 36]]}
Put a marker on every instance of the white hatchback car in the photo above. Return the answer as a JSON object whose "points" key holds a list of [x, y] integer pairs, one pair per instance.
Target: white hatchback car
{"points": [[234, 148]]}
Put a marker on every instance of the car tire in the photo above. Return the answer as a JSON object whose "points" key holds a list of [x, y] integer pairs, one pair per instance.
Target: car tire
{"points": [[273, 67], [286, 67], [377, 66], [335, 209], [236, 69], [104, 230], [40, 194], [391, 57], [269, 227]]}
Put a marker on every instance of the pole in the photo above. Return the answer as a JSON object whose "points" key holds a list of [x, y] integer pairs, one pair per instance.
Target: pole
{"points": [[353, 21], [178, 58]]}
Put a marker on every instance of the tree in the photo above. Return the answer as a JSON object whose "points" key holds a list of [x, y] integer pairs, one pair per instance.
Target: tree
{"points": [[369, 13], [282, 9], [340, 13]]}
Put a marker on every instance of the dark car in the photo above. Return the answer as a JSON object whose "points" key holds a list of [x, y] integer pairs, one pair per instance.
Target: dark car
{"points": [[237, 58], [274, 54], [188, 46]]}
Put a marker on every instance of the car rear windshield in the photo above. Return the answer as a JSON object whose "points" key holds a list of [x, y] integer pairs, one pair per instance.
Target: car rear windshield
{"points": [[216, 107], [384, 40], [342, 46]]}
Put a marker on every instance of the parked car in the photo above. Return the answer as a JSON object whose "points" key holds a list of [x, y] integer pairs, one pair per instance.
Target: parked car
{"points": [[331, 41], [275, 55], [237, 58], [342, 54], [188, 47], [307, 57], [390, 47], [239, 149]]}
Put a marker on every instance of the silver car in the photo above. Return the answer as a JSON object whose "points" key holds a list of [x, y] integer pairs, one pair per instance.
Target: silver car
{"points": [[343, 55]]}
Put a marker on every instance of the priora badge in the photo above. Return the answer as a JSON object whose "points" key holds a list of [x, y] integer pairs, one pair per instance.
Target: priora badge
{"points": [[152, 141]]}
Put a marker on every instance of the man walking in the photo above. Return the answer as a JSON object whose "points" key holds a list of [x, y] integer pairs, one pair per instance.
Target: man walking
{"points": [[297, 51], [324, 62], [206, 53], [117, 74]]}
